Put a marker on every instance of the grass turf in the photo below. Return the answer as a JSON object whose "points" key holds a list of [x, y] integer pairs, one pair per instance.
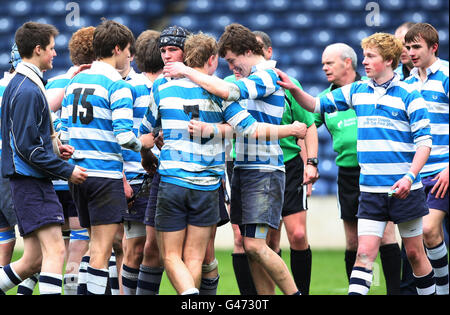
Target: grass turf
{"points": [[328, 274]]}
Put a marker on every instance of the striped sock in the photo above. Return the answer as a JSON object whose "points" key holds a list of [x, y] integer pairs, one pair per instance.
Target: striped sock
{"points": [[97, 280], [425, 285], [50, 283], [8, 279], [209, 286], [438, 259], [149, 280], [26, 287], [129, 279], [360, 281], [113, 275], [70, 284], [82, 276], [191, 291]]}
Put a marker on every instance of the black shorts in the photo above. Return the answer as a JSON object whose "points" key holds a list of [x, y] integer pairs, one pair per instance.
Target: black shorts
{"points": [[348, 192], [99, 201], [35, 203], [224, 217], [295, 192], [66, 200]]}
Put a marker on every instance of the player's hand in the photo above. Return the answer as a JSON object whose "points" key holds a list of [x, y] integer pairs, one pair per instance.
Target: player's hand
{"points": [[81, 68], [285, 81], [159, 140], [128, 189], [299, 129], [66, 151], [147, 141], [79, 175], [403, 186], [200, 129], [175, 70], [441, 186], [310, 174]]}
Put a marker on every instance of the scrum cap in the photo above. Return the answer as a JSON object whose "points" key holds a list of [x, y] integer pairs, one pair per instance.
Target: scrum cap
{"points": [[173, 36]]}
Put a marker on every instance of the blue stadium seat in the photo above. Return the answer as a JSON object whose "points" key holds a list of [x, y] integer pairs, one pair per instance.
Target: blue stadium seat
{"points": [[154, 8], [19, 8], [6, 25], [354, 5], [303, 20], [188, 21], [416, 17], [308, 56], [4, 58], [262, 21], [240, 5], [394, 4], [338, 20], [276, 5], [56, 8], [323, 37], [133, 7], [97, 7], [284, 38], [62, 41], [202, 6]]}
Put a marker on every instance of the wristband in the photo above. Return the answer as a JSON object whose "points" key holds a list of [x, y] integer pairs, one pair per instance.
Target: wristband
{"points": [[410, 176]]}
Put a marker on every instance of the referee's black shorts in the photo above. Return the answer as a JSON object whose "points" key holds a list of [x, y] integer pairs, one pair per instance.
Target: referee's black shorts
{"points": [[348, 192], [294, 192]]}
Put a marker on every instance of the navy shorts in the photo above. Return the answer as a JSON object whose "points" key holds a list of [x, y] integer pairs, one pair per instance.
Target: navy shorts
{"points": [[178, 207], [7, 215], [432, 201], [294, 192], [257, 197], [36, 203], [381, 207], [150, 211], [137, 211], [99, 201], [66, 200], [224, 217], [348, 192]]}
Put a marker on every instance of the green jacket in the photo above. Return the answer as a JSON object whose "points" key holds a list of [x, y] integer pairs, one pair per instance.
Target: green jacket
{"points": [[343, 127]]}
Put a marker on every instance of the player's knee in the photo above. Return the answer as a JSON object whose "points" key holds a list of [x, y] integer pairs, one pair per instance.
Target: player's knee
{"points": [[431, 234], [298, 237], [414, 255], [365, 256]]}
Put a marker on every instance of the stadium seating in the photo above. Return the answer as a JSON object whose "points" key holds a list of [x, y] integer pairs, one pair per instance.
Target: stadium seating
{"points": [[300, 29]]}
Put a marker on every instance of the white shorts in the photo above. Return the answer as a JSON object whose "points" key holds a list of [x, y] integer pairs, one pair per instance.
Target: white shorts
{"points": [[406, 229], [134, 229]]}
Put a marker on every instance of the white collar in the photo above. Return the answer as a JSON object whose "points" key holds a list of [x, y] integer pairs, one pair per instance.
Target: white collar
{"points": [[264, 65]]}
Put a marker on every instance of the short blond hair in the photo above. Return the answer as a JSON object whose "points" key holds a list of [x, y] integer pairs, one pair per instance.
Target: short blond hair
{"points": [[198, 48], [389, 47]]}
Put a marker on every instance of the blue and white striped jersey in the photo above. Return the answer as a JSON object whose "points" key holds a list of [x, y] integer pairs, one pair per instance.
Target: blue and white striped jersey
{"points": [[141, 98], [435, 92], [264, 100], [97, 118], [392, 123], [184, 160], [54, 86], [3, 83]]}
